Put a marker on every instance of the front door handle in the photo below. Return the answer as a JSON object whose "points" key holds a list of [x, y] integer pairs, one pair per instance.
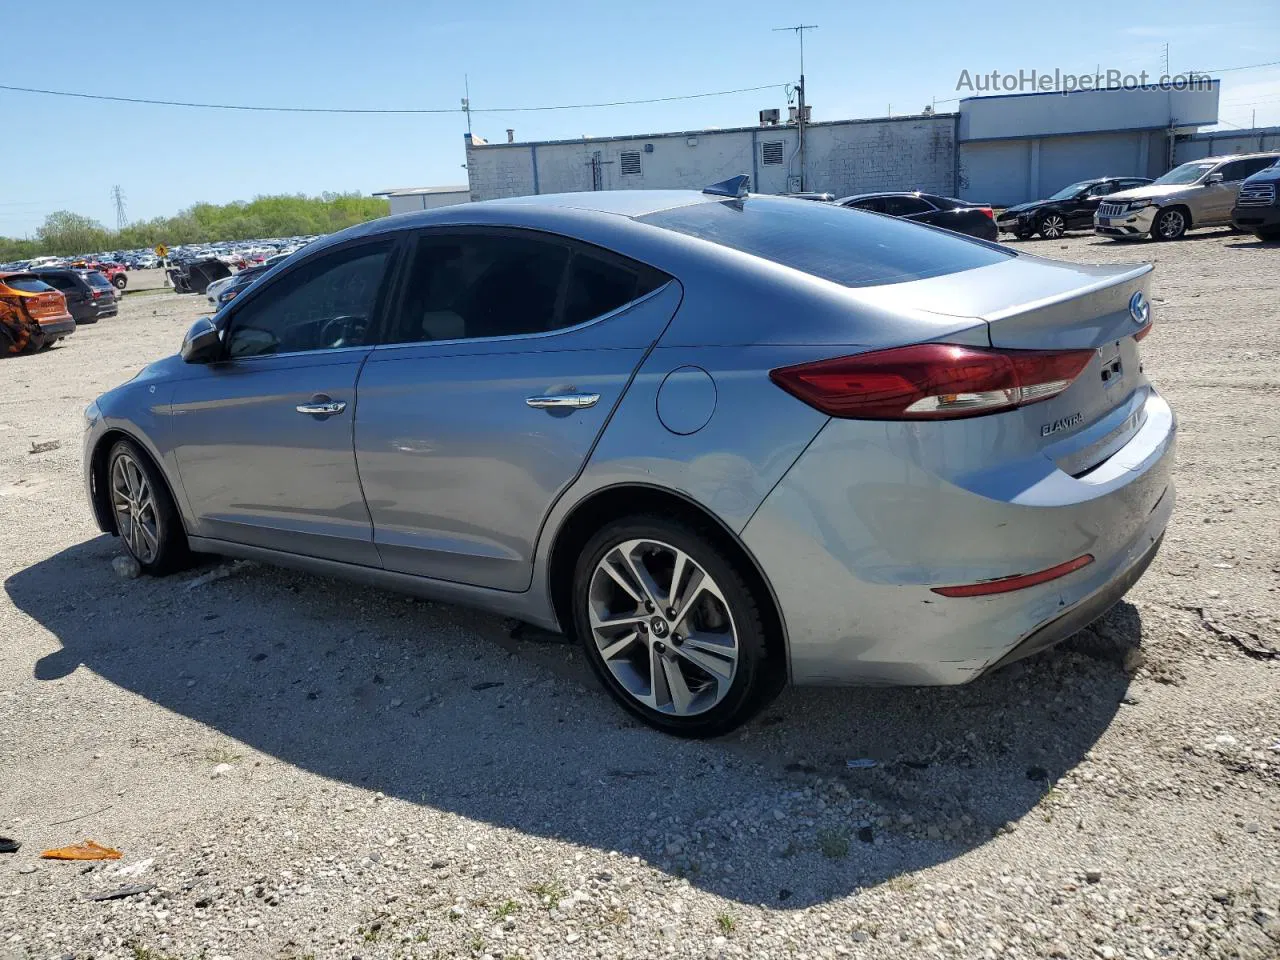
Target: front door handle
{"points": [[322, 407], [565, 401]]}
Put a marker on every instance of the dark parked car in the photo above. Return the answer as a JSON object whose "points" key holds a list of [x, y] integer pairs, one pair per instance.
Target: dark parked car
{"points": [[193, 276], [1257, 208], [1071, 208], [246, 277], [974, 219], [90, 295]]}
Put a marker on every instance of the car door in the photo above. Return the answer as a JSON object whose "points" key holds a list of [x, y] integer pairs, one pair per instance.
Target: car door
{"points": [[1081, 210], [1215, 199], [1233, 176], [264, 444], [505, 357]]}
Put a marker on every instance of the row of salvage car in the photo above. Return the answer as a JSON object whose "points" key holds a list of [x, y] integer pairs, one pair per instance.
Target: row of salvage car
{"points": [[1239, 191]]}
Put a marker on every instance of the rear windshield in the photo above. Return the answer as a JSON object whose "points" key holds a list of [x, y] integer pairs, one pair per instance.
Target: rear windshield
{"points": [[95, 279], [26, 283], [843, 245]]}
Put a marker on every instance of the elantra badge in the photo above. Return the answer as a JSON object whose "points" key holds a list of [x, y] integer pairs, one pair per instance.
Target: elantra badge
{"points": [[1139, 309], [1065, 423]]}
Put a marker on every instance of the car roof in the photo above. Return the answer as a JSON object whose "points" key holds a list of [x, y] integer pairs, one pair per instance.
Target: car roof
{"points": [[1235, 156], [626, 203]]}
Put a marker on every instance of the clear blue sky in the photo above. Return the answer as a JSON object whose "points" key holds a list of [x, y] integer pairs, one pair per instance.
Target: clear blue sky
{"points": [[67, 154]]}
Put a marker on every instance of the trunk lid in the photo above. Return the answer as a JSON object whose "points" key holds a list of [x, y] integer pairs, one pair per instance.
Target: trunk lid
{"points": [[1031, 303]]}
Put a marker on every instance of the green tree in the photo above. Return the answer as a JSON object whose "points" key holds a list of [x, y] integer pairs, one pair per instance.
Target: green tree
{"points": [[65, 233]]}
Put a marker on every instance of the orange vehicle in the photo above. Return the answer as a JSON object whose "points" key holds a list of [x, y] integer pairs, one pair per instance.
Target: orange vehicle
{"points": [[33, 315]]}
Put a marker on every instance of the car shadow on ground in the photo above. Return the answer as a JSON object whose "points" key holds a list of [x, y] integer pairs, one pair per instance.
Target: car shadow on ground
{"points": [[447, 709]]}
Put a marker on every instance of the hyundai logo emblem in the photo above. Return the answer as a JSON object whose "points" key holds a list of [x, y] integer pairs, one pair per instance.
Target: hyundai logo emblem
{"points": [[1139, 309]]}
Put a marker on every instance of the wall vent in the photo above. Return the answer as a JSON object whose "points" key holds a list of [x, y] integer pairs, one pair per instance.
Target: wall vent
{"points": [[629, 163], [771, 152]]}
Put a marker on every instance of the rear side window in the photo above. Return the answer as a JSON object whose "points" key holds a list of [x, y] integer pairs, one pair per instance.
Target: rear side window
{"points": [[59, 281], [27, 284], [471, 285], [840, 245]]}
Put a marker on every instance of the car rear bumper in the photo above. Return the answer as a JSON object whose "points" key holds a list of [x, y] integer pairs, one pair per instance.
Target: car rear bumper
{"points": [[857, 535], [58, 328]]}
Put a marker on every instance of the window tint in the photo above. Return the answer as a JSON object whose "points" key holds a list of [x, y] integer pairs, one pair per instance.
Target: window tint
{"points": [[874, 204], [598, 286], [837, 245], [470, 285], [95, 279], [27, 284], [326, 304], [906, 206], [1250, 167], [58, 281], [1102, 189]]}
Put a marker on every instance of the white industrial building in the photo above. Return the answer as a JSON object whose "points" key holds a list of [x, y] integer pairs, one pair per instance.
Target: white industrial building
{"points": [[405, 199], [996, 149]]}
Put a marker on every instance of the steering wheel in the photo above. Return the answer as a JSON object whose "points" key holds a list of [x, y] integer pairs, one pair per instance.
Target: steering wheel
{"points": [[346, 331]]}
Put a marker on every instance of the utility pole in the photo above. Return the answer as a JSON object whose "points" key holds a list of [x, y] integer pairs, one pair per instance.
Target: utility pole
{"points": [[466, 101], [118, 196], [801, 119]]}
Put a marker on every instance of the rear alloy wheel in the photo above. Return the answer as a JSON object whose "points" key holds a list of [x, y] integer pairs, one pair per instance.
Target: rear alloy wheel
{"points": [[145, 515], [1052, 226], [1170, 224], [671, 627]]}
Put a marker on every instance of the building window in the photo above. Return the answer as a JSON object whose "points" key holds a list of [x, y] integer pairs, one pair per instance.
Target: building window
{"points": [[771, 152], [629, 163]]}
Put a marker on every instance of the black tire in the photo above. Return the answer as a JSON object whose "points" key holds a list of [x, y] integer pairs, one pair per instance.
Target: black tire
{"points": [[172, 552], [1269, 235], [1052, 226], [1170, 223], [120, 281], [757, 678]]}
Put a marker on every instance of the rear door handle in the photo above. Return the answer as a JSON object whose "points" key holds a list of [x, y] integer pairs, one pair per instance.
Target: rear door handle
{"points": [[321, 407], [565, 401]]}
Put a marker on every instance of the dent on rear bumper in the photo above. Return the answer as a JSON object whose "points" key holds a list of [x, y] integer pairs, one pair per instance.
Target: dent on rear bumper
{"points": [[857, 533]]}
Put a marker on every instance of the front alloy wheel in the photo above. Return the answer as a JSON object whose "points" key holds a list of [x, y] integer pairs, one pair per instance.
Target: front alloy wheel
{"points": [[134, 504], [1053, 226], [146, 518], [1171, 224], [671, 627]]}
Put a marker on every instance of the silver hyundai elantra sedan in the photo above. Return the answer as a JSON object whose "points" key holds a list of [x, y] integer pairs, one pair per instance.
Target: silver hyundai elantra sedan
{"points": [[725, 441]]}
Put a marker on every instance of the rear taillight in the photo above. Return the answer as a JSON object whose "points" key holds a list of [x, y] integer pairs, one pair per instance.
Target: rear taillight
{"points": [[95, 293], [991, 214], [931, 381]]}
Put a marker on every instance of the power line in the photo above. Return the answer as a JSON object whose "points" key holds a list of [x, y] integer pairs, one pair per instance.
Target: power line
{"points": [[377, 110]]}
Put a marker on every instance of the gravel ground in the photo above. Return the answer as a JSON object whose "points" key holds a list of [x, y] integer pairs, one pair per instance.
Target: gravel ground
{"points": [[296, 768]]}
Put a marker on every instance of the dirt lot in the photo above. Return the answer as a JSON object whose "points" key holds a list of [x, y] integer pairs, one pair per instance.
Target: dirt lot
{"points": [[294, 767]]}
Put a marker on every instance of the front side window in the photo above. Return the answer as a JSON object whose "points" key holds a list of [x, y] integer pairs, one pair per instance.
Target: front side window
{"points": [[324, 305], [474, 285], [827, 242]]}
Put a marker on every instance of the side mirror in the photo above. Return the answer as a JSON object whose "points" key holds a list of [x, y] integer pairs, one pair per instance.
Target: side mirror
{"points": [[203, 342], [1214, 178]]}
